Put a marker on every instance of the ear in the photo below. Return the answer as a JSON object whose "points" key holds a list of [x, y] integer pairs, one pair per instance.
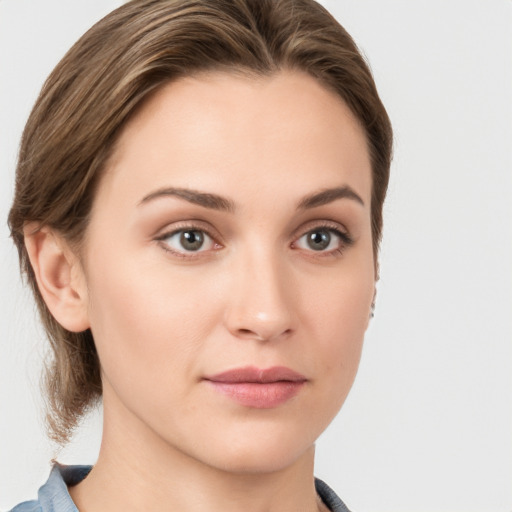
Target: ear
{"points": [[372, 307], [59, 277]]}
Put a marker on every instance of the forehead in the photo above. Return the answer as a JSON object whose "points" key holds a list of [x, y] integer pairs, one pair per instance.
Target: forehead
{"points": [[219, 130]]}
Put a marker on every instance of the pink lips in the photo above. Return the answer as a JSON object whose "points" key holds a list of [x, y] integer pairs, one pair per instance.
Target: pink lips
{"points": [[257, 388]]}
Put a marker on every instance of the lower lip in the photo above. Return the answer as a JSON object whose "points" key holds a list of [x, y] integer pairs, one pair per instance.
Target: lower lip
{"points": [[259, 395]]}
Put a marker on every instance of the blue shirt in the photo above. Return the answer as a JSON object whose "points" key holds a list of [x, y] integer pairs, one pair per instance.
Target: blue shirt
{"points": [[53, 496]]}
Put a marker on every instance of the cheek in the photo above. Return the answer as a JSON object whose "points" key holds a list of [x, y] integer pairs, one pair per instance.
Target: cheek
{"points": [[144, 322], [340, 333], [339, 315], [341, 302]]}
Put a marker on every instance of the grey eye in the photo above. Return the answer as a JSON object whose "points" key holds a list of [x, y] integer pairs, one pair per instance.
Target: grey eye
{"points": [[318, 240], [322, 239], [191, 240], [188, 240]]}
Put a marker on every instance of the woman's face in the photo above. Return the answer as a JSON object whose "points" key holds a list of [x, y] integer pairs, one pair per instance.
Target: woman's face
{"points": [[229, 268]]}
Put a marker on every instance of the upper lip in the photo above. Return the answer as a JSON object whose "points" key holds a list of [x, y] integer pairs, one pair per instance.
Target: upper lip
{"points": [[257, 375]]}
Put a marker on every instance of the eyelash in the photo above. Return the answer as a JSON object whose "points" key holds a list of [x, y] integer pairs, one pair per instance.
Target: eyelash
{"points": [[183, 229], [345, 240]]}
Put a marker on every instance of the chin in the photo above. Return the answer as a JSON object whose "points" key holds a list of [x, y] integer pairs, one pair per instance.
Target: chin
{"points": [[260, 460], [258, 452]]}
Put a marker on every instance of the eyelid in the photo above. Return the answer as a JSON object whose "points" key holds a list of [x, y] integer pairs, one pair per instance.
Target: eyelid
{"points": [[338, 229], [322, 224], [190, 225], [346, 240]]}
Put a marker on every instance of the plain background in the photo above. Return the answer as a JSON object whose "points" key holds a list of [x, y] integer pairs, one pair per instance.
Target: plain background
{"points": [[428, 425]]}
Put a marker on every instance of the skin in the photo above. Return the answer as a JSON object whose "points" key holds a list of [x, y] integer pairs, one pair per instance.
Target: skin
{"points": [[255, 293]]}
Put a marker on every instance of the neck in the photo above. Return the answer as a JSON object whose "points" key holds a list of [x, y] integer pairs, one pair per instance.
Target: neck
{"points": [[138, 470]]}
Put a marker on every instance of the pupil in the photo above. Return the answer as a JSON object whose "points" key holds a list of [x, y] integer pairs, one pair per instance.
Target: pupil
{"points": [[319, 240], [192, 240]]}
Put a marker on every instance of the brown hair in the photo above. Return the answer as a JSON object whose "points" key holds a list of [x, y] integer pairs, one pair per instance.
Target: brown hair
{"points": [[102, 80]]}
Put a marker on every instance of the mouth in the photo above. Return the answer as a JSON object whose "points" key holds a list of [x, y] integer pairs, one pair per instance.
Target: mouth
{"points": [[258, 388]]}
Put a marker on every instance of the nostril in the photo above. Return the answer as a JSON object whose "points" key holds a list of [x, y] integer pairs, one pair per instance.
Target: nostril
{"points": [[249, 334], [261, 336]]}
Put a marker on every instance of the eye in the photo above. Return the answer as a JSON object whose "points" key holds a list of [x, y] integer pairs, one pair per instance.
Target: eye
{"points": [[323, 239], [189, 240]]}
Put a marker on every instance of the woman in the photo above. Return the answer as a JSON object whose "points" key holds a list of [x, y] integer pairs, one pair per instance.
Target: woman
{"points": [[198, 210]]}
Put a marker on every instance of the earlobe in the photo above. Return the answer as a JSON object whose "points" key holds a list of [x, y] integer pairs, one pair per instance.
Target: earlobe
{"points": [[59, 277], [372, 308]]}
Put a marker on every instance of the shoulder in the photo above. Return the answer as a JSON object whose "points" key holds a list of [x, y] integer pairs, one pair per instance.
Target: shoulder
{"points": [[53, 496], [329, 497]]}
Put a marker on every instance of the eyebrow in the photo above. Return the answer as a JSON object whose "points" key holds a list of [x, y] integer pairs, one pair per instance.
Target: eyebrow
{"points": [[207, 200], [216, 202], [328, 196]]}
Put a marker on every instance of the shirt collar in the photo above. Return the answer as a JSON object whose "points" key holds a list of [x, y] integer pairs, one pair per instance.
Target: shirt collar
{"points": [[54, 495]]}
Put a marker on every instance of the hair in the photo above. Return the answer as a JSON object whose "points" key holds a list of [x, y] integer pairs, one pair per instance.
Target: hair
{"points": [[108, 74]]}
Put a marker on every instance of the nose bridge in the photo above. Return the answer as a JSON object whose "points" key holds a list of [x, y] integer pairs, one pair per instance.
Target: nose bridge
{"points": [[261, 305]]}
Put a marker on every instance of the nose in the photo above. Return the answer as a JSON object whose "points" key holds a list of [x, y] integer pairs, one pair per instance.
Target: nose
{"points": [[260, 305]]}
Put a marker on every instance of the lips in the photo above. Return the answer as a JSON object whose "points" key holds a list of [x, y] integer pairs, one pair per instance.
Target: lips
{"points": [[258, 388]]}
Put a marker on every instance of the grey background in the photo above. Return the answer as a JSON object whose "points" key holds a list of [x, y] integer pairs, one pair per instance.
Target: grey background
{"points": [[428, 425]]}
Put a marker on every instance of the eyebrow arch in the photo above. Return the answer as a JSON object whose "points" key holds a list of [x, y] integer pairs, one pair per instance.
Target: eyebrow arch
{"points": [[207, 200], [328, 196]]}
